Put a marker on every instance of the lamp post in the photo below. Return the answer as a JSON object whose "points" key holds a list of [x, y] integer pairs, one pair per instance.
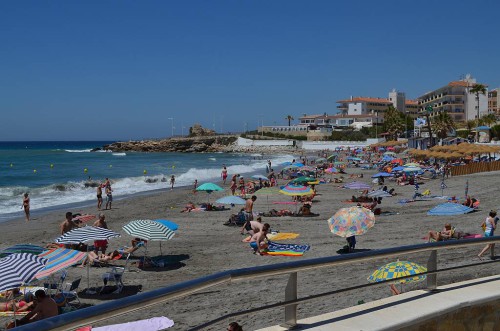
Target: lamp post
{"points": [[172, 119], [427, 113]]}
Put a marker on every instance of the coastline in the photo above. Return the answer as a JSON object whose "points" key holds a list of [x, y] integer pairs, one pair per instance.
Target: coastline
{"points": [[205, 246]]}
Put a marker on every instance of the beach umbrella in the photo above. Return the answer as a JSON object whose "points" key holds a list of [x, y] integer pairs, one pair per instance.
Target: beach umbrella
{"points": [[449, 208], [59, 259], [19, 269], [382, 174], [357, 186], [331, 170], [389, 153], [351, 221], [352, 158], [83, 235], [267, 191], [298, 164], [412, 164], [379, 194], [302, 180], [466, 188], [260, 177], [84, 218], [387, 158], [86, 234], [396, 270], [287, 163], [412, 169], [333, 156], [231, 200], [320, 160], [209, 187], [169, 224], [296, 190], [398, 168], [149, 230], [22, 248]]}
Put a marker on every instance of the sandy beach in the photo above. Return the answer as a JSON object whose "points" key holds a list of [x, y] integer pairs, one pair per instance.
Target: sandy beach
{"points": [[203, 246]]}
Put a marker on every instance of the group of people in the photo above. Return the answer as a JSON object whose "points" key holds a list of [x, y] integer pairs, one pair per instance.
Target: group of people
{"points": [[39, 306], [109, 194]]}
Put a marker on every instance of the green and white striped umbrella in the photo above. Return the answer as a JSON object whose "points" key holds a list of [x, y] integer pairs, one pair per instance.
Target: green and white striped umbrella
{"points": [[149, 230]]}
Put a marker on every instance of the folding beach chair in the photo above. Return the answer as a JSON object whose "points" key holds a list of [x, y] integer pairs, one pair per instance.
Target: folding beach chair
{"points": [[115, 275], [69, 291]]}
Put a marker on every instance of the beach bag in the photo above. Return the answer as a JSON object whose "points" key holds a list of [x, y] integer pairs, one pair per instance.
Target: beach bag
{"points": [[483, 226]]}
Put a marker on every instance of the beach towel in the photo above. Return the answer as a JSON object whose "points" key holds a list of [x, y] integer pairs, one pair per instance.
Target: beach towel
{"points": [[282, 236], [285, 249], [152, 324]]}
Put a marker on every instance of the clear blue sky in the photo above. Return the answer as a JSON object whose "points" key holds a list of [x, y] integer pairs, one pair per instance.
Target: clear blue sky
{"points": [[90, 70]]}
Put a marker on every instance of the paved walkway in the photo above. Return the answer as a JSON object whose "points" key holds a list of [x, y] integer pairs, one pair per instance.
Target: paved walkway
{"points": [[404, 310]]}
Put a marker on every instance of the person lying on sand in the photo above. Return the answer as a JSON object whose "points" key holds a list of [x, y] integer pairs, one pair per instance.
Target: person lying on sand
{"points": [[190, 206], [93, 257], [444, 234]]}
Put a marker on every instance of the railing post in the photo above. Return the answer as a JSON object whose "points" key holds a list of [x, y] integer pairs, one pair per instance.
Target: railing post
{"points": [[492, 252], [432, 266], [291, 294]]}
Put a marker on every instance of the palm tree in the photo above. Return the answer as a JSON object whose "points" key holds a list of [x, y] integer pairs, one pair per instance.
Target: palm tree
{"points": [[289, 118], [442, 124], [478, 89], [489, 119]]}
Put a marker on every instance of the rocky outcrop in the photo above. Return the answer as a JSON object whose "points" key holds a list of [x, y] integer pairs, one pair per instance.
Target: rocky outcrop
{"points": [[198, 131], [187, 145]]}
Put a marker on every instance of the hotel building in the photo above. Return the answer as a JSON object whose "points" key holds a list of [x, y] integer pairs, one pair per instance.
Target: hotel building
{"points": [[455, 99], [494, 102]]}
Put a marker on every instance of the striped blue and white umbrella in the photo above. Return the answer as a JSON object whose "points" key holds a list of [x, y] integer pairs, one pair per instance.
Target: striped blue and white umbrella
{"points": [[22, 248], [86, 234], [18, 269], [149, 230]]}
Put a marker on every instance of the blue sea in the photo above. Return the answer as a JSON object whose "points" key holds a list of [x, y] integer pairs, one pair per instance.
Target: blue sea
{"points": [[55, 173]]}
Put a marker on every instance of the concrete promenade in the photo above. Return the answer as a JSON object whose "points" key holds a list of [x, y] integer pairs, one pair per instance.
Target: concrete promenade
{"points": [[468, 305]]}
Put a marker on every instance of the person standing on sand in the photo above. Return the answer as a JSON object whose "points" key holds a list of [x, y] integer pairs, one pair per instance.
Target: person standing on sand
{"points": [[26, 206], [172, 182], [109, 196], [99, 197], [224, 174], [249, 208], [195, 186], [101, 245], [68, 223], [232, 185]]}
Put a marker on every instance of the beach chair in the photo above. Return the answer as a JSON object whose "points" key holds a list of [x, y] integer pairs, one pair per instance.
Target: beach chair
{"points": [[69, 291], [56, 286], [115, 275]]}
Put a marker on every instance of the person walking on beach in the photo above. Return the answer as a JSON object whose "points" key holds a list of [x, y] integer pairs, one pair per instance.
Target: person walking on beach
{"points": [[241, 186], [26, 206], [195, 186], [109, 196], [224, 174], [489, 226], [99, 197], [172, 182]]}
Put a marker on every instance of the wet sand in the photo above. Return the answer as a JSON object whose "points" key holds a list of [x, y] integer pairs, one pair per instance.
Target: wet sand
{"points": [[203, 246]]}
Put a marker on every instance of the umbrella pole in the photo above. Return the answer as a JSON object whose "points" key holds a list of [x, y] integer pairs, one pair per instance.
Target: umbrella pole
{"points": [[88, 291]]}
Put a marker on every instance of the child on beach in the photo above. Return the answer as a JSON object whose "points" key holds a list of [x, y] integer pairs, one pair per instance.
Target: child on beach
{"points": [[26, 206]]}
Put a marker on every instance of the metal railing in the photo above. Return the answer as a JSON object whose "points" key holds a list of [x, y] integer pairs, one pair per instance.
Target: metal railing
{"points": [[145, 300]]}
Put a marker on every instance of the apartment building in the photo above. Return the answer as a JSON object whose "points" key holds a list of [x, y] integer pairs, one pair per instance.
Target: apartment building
{"points": [[494, 102], [455, 99]]}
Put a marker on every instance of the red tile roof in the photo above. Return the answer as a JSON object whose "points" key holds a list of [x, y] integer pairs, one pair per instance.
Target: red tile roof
{"points": [[365, 99], [463, 83]]}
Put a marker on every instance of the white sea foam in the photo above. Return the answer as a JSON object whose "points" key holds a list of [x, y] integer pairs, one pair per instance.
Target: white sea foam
{"points": [[119, 154], [77, 150]]}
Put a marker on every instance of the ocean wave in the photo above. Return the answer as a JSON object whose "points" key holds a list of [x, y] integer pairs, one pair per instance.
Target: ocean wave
{"points": [[77, 150], [119, 154]]}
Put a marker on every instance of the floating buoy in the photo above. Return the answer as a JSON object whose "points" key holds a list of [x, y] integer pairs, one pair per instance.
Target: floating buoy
{"points": [[85, 170], [144, 172], [34, 171], [11, 165], [173, 167], [111, 166], [51, 166]]}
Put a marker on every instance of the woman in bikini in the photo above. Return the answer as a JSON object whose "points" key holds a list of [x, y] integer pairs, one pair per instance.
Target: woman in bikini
{"points": [[12, 305], [26, 206]]}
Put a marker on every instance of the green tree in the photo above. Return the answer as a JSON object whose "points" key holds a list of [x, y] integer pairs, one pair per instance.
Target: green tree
{"points": [[489, 119], [470, 124], [289, 118], [495, 131], [442, 124], [478, 89], [394, 123]]}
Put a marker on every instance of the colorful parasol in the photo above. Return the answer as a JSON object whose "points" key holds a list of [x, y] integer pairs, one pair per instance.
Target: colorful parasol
{"points": [[398, 269], [351, 221], [296, 190]]}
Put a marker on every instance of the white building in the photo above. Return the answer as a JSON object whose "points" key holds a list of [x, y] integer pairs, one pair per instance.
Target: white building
{"points": [[455, 99]]}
